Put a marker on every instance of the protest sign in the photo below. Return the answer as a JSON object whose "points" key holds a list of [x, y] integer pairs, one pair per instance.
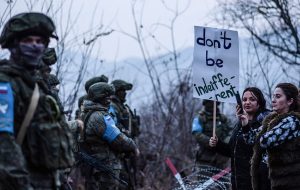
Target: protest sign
{"points": [[215, 64]]}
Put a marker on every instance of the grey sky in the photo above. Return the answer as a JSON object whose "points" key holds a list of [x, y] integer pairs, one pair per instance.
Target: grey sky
{"points": [[117, 14]]}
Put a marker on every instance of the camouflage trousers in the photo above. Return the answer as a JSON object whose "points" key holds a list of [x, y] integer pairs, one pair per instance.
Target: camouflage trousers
{"points": [[127, 175], [13, 173], [101, 181], [44, 180]]}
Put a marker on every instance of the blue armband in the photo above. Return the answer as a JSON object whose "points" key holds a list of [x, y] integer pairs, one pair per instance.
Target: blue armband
{"points": [[111, 132], [6, 108], [196, 126]]}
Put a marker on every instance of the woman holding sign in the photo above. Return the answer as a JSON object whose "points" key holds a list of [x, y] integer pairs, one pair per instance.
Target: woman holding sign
{"points": [[277, 141], [254, 105]]}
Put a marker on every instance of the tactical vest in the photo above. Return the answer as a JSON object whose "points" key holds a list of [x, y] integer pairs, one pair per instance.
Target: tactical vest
{"points": [[47, 144], [95, 145], [124, 118]]}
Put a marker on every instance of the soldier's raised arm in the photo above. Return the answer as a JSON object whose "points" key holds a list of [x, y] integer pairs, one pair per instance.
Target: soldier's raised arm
{"points": [[102, 139]]}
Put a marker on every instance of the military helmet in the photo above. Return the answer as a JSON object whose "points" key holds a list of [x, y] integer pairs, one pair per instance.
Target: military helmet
{"points": [[53, 80], [30, 23], [81, 99], [94, 80], [49, 56], [209, 102], [100, 90], [121, 85]]}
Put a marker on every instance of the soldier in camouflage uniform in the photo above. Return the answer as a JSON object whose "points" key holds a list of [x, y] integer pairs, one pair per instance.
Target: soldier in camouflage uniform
{"points": [[202, 130], [94, 80], [102, 139], [49, 58], [127, 122], [28, 113], [87, 85], [77, 128], [53, 83], [13, 172], [80, 106]]}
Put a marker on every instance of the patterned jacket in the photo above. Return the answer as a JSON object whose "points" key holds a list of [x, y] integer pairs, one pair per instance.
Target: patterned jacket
{"points": [[280, 137]]}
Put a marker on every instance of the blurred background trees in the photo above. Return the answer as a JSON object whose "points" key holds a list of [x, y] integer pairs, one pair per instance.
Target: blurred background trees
{"points": [[269, 51]]}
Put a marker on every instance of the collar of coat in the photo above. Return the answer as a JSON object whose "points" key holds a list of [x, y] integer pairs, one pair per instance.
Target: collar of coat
{"points": [[274, 118]]}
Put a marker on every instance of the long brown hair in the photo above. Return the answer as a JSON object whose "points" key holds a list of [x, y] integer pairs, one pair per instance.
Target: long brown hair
{"points": [[260, 98]]}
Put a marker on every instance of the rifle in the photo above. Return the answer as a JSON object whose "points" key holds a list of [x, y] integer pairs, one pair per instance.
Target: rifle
{"points": [[130, 167], [137, 117], [134, 168], [97, 164], [129, 120]]}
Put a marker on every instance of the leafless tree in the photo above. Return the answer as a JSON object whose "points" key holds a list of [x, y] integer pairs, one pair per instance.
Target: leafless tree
{"points": [[167, 117], [272, 49], [273, 23], [73, 49]]}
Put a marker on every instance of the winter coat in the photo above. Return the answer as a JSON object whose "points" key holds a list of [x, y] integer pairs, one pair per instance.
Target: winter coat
{"points": [[207, 155], [284, 158], [240, 154]]}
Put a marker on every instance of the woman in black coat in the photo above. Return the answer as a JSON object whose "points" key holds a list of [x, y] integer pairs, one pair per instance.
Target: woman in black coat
{"points": [[277, 141], [254, 105]]}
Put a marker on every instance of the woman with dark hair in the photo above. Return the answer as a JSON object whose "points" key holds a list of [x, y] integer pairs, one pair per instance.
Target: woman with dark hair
{"points": [[254, 104], [277, 141]]}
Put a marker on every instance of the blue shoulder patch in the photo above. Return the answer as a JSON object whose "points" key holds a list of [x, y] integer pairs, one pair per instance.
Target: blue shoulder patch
{"points": [[196, 126], [111, 131], [6, 108]]}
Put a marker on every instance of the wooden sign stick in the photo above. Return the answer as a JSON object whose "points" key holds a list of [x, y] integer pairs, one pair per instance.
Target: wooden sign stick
{"points": [[214, 118]]}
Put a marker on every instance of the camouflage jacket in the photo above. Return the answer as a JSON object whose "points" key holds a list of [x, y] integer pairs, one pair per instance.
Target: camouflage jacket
{"points": [[101, 137], [13, 171], [45, 138], [125, 119], [205, 129]]}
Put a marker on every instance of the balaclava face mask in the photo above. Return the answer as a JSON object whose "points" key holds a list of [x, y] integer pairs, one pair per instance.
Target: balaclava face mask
{"points": [[32, 53], [28, 54]]}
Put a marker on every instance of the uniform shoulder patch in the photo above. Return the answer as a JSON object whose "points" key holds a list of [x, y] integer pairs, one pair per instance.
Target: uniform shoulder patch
{"points": [[6, 108], [111, 131], [196, 126]]}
